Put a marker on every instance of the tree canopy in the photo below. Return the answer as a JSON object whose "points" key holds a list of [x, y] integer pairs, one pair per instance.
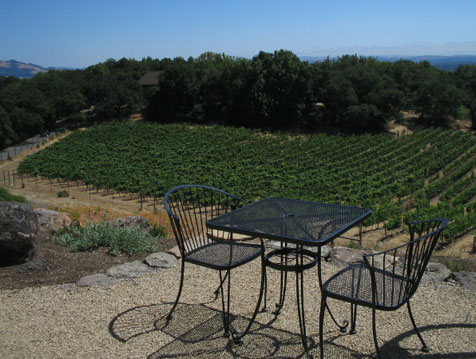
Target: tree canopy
{"points": [[271, 91]]}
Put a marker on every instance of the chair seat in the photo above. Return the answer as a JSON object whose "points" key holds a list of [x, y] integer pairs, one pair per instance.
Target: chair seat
{"points": [[224, 255], [353, 284]]}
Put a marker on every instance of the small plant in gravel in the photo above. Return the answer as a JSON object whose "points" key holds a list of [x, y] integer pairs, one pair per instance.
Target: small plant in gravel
{"points": [[105, 234]]}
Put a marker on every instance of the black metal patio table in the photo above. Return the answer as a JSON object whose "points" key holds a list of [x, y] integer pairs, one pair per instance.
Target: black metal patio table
{"points": [[290, 221]]}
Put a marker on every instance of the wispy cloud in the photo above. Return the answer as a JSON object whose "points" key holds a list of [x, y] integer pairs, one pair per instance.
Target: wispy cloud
{"points": [[405, 49]]}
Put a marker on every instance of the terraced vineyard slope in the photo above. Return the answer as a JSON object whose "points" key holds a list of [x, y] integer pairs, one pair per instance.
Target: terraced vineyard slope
{"points": [[428, 173]]}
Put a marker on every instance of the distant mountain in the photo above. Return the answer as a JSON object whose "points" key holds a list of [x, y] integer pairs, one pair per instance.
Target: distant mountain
{"points": [[19, 69], [447, 63]]}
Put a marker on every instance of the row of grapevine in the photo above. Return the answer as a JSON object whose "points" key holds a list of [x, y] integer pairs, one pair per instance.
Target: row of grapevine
{"points": [[381, 172]]}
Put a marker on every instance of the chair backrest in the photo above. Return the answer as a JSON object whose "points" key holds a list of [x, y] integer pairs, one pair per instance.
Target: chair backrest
{"points": [[189, 208], [397, 272]]}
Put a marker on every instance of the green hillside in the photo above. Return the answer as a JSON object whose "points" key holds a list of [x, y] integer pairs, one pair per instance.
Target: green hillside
{"points": [[425, 174]]}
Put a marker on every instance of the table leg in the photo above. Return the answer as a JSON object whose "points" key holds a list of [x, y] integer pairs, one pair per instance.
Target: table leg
{"points": [[282, 286], [300, 303]]}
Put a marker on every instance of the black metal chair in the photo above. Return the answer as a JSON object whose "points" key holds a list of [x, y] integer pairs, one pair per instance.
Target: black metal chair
{"points": [[189, 208], [385, 280]]}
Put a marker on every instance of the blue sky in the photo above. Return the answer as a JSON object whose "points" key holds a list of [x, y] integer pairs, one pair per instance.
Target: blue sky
{"points": [[81, 33]]}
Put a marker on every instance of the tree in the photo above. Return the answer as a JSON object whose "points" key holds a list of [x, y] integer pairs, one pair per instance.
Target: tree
{"points": [[282, 91], [7, 135], [26, 123], [437, 100], [466, 79], [338, 95], [177, 94]]}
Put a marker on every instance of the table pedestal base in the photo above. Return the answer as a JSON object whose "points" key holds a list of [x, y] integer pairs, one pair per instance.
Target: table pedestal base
{"points": [[297, 260]]}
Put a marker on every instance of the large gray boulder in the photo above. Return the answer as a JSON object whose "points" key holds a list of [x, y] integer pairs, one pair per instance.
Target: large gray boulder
{"points": [[161, 260], [133, 269], [436, 272], [18, 232], [51, 221], [466, 279], [343, 256]]}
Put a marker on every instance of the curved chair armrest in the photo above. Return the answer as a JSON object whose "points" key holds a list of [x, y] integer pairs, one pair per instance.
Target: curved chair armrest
{"points": [[419, 228], [170, 191]]}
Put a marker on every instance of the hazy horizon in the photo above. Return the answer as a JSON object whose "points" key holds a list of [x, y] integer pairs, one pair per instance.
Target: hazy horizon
{"points": [[55, 33]]}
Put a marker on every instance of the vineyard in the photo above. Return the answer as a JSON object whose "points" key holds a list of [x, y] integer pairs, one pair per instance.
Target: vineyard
{"points": [[426, 174]]}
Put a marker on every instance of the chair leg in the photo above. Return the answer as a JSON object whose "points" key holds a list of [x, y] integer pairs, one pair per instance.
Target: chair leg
{"points": [[342, 327], [220, 286], [179, 291], [374, 329], [425, 348], [225, 304], [321, 324], [353, 318]]}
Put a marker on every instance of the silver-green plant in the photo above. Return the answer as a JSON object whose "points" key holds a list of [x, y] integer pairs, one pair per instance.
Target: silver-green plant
{"points": [[106, 234]]}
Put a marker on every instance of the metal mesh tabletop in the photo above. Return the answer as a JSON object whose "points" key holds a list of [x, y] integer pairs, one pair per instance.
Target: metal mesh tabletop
{"points": [[292, 221]]}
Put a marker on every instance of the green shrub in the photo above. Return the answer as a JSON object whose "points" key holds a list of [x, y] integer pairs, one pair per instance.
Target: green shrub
{"points": [[62, 194], [394, 222], [353, 245], [463, 112], [6, 196], [157, 230], [456, 265], [106, 234]]}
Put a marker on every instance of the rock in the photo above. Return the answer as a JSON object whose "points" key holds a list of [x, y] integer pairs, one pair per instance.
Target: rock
{"points": [[133, 221], [389, 261], [435, 272], [325, 252], [133, 269], [18, 232], [343, 256], [67, 286], [175, 251], [161, 260], [95, 280], [52, 221], [35, 264], [466, 279]]}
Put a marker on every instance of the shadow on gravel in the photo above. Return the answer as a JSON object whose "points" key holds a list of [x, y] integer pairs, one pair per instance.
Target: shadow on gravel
{"points": [[447, 333], [196, 331]]}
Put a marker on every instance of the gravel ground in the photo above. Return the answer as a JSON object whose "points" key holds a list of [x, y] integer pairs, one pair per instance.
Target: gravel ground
{"points": [[126, 320]]}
